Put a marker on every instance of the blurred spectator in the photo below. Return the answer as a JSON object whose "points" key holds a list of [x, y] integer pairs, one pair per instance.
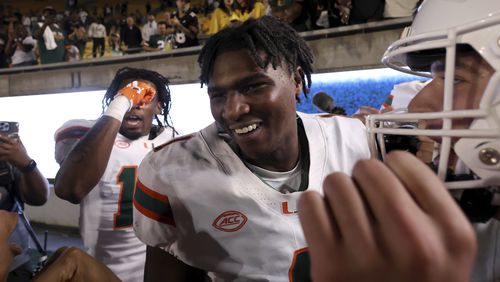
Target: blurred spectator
{"points": [[363, 11], [93, 15], [72, 53], [71, 4], [399, 8], [97, 31], [205, 24], [332, 13], [17, 17], [222, 16], [148, 7], [323, 20], [115, 44], [20, 47], [124, 7], [117, 10], [83, 16], [107, 10], [111, 23], [249, 9], [131, 36], [3, 56], [71, 22], [208, 7], [161, 41], [50, 38], [139, 18], [78, 37], [26, 21], [293, 12], [149, 28], [185, 23]]}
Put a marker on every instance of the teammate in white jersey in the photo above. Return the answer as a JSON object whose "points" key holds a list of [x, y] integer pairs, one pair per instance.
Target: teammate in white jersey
{"points": [[224, 199], [99, 161]]}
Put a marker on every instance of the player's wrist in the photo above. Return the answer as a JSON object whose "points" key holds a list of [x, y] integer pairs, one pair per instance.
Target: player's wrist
{"points": [[118, 107], [29, 167]]}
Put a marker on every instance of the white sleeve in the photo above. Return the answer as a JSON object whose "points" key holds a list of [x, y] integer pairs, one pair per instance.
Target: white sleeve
{"points": [[90, 34], [68, 135], [29, 41], [154, 221]]}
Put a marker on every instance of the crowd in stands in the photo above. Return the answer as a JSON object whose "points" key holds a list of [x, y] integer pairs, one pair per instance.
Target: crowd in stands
{"points": [[76, 33]]}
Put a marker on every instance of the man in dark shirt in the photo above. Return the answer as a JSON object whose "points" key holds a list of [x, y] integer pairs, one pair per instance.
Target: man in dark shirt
{"points": [[131, 36], [185, 23]]}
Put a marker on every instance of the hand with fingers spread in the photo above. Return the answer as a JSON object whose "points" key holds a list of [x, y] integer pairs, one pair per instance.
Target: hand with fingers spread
{"points": [[393, 222], [138, 92]]}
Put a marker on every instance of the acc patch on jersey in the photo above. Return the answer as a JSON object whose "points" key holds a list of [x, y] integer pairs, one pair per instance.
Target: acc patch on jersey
{"points": [[230, 221]]}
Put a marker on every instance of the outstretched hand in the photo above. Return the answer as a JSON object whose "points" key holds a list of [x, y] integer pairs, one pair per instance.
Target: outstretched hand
{"points": [[392, 222], [139, 93]]}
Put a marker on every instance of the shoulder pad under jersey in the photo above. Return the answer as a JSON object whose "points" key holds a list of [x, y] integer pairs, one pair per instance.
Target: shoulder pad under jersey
{"points": [[177, 139]]}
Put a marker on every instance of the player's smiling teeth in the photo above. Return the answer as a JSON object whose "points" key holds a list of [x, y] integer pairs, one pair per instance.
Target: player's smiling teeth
{"points": [[245, 129]]}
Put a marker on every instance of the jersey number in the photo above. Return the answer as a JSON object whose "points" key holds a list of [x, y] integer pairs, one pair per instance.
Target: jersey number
{"points": [[126, 179], [301, 267]]}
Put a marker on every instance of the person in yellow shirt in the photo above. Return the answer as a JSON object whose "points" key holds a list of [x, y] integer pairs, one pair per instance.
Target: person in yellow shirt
{"points": [[223, 16], [246, 9]]}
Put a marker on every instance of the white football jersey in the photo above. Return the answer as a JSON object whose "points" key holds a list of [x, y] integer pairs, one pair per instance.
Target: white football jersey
{"points": [[402, 94], [106, 212], [197, 200], [487, 266]]}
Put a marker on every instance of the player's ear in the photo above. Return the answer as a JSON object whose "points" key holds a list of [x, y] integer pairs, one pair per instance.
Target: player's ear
{"points": [[297, 79], [158, 108]]}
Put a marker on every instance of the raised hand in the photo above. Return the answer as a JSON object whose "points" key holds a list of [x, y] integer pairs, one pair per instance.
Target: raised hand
{"points": [[13, 151], [139, 93], [388, 222]]}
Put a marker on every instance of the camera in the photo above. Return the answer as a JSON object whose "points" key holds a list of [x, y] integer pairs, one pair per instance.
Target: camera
{"points": [[9, 129]]}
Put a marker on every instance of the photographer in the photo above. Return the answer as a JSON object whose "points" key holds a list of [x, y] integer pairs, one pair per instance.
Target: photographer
{"points": [[20, 46], [20, 182], [66, 264]]}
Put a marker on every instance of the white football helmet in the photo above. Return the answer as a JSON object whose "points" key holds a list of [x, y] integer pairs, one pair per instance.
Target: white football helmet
{"points": [[441, 29]]}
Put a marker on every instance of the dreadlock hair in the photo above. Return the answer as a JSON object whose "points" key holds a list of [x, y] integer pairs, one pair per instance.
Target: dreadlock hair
{"points": [[279, 42], [159, 81]]}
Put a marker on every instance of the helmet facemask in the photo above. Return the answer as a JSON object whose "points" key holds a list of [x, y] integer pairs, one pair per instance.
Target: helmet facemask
{"points": [[464, 157]]}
